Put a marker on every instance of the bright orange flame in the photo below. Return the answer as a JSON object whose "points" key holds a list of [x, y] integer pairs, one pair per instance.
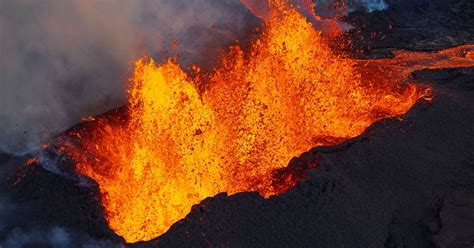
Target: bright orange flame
{"points": [[176, 146]]}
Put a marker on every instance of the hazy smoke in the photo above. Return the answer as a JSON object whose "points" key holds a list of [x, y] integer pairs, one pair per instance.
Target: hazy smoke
{"points": [[62, 60], [368, 5], [55, 237], [5, 209], [325, 8]]}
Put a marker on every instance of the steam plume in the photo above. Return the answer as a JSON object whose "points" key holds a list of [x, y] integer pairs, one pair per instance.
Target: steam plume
{"points": [[62, 60]]}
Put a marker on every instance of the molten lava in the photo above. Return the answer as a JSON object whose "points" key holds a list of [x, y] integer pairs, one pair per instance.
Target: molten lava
{"points": [[175, 145]]}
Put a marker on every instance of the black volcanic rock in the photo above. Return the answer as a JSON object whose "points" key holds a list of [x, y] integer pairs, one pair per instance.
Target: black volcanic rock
{"points": [[49, 199], [45, 203], [453, 227], [412, 25], [403, 183]]}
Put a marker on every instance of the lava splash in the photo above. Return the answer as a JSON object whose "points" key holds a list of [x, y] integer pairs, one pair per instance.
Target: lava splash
{"points": [[178, 143]]}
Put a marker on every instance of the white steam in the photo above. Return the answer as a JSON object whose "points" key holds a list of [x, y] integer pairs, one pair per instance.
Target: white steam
{"points": [[367, 5], [55, 237], [62, 60]]}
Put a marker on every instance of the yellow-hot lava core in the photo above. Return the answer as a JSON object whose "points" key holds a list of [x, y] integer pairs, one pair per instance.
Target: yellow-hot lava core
{"points": [[177, 145]]}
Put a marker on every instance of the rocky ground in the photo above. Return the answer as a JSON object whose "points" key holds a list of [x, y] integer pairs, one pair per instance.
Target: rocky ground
{"points": [[405, 182], [423, 25]]}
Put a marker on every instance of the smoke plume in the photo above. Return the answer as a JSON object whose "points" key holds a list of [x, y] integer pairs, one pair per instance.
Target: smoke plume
{"points": [[62, 60]]}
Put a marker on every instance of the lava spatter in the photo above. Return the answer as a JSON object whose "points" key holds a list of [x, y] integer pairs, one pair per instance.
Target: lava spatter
{"points": [[176, 145]]}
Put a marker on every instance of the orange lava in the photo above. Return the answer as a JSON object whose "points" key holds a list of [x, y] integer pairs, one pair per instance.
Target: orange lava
{"points": [[175, 145], [387, 71], [32, 161]]}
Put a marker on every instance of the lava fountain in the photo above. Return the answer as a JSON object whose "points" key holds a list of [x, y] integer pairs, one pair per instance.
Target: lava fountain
{"points": [[175, 145]]}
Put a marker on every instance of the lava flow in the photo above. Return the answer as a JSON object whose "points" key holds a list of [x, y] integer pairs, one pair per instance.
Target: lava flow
{"points": [[176, 145]]}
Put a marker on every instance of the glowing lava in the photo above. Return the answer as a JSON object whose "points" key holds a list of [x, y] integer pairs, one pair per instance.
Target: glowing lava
{"points": [[174, 145]]}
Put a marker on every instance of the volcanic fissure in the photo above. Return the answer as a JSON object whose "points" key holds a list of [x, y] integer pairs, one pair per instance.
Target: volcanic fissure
{"points": [[178, 143]]}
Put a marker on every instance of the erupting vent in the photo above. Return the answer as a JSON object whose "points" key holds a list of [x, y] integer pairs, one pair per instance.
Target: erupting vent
{"points": [[177, 145]]}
